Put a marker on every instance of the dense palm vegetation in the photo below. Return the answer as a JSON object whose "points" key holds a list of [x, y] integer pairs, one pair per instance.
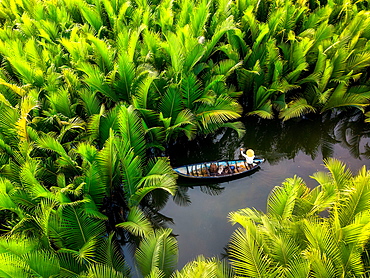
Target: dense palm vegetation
{"points": [[92, 91], [320, 232]]}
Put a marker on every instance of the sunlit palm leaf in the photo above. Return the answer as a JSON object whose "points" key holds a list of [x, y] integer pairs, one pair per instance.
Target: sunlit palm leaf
{"points": [[171, 103], [108, 162], [95, 78], [202, 267], [131, 130], [103, 271], [78, 229], [158, 249], [246, 255], [91, 15], [295, 109], [191, 90], [42, 263]]}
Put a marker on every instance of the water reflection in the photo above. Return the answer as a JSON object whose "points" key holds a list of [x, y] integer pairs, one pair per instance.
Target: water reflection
{"points": [[296, 147], [276, 140]]}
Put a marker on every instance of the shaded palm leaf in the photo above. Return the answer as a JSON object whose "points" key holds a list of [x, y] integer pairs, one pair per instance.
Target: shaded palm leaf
{"points": [[137, 223]]}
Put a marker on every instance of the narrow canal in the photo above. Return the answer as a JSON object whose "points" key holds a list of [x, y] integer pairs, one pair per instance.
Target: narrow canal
{"points": [[296, 147]]}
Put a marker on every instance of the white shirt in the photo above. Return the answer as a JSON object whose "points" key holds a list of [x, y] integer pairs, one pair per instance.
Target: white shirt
{"points": [[249, 159]]}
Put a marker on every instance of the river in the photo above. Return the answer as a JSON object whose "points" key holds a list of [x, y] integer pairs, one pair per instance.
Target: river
{"points": [[296, 147]]}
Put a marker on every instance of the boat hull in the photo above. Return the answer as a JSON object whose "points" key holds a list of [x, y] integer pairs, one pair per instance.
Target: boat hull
{"points": [[225, 169]]}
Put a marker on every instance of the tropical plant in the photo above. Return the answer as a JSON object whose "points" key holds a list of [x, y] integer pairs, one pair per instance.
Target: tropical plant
{"points": [[302, 61], [293, 238]]}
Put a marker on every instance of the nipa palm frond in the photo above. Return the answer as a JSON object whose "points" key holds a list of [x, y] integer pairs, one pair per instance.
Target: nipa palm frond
{"points": [[281, 202], [296, 108], [191, 90], [203, 267], [137, 223], [103, 271], [159, 249], [246, 255], [131, 129], [77, 229], [171, 103]]}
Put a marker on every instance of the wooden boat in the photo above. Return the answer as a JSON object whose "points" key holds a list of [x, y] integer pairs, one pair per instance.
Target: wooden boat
{"points": [[225, 169]]}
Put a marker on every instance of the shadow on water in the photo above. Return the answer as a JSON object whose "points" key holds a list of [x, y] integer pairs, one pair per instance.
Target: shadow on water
{"points": [[199, 210], [276, 141]]}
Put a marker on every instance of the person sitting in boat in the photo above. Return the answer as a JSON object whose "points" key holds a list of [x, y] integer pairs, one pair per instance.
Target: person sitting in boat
{"points": [[227, 170], [213, 169], [220, 169], [249, 157]]}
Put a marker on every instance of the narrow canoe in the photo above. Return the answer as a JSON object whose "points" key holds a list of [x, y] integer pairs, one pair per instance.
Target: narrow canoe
{"points": [[225, 169]]}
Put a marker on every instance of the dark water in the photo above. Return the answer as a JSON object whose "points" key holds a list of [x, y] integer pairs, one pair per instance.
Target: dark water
{"points": [[296, 147]]}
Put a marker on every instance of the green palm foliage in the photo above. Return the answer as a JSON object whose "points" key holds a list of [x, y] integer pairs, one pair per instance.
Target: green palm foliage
{"points": [[202, 267], [302, 60], [91, 90], [157, 250], [294, 240]]}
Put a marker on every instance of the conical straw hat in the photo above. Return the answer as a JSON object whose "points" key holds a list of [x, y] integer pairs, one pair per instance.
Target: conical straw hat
{"points": [[250, 153]]}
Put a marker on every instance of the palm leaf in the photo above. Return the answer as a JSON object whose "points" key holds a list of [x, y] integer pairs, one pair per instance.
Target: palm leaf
{"points": [[355, 199], [175, 49], [142, 96], [103, 271], [49, 143], [126, 71], [191, 90], [91, 15], [296, 108], [96, 80], [226, 25], [156, 273], [184, 122], [202, 267], [339, 173], [78, 230], [159, 176], [42, 263], [246, 255], [223, 110], [137, 223], [18, 245], [131, 130], [13, 266], [110, 255], [90, 102], [61, 102], [244, 216], [104, 54], [198, 18], [91, 207], [159, 249], [282, 199], [131, 171], [171, 103], [108, 162], [93, 185], [69, 266]]}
